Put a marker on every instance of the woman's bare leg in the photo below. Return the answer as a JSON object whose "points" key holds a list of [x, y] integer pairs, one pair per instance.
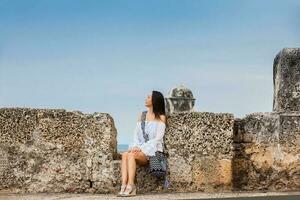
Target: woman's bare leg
{"points": [[124, 168], [133, 159], [131, 168]]}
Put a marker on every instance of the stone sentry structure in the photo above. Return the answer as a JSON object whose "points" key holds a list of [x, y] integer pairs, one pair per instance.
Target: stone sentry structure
{"points": [[54, 150], [180, 99]]}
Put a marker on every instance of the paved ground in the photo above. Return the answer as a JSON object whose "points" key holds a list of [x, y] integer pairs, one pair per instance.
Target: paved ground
{"points": [[195, 195]]}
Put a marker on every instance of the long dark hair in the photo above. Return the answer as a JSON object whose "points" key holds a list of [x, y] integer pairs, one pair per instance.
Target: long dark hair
{"points": [[158, 102]]}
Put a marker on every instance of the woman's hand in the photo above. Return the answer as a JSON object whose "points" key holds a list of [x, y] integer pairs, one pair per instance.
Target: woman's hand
{"points": [[135, 150]]}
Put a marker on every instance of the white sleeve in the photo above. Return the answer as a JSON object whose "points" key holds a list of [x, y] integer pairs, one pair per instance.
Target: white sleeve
{"points": [[150, 147], [136, 139]]}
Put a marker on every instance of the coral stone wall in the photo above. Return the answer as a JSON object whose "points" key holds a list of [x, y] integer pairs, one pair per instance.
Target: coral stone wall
{"points": [[267, 144], [200, 147], [267, 152], [54, 150]]}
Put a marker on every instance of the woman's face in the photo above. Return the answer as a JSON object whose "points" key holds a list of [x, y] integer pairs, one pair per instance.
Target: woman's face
{"points": [[148, 100]]}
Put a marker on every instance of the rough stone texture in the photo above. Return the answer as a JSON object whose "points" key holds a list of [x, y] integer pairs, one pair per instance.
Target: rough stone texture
{"points": [[200, 151], [267, 144], [54, 150], [286, 80], [267, 152]]}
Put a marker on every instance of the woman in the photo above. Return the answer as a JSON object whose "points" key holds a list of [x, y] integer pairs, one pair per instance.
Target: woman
{"points": [[139, 150]]}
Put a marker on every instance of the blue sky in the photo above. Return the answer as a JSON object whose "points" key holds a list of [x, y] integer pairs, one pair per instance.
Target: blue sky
{"points": [[106, 56]]}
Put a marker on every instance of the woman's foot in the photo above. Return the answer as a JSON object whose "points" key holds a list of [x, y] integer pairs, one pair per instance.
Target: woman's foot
{"points": [[130, 190], [123, 187]]}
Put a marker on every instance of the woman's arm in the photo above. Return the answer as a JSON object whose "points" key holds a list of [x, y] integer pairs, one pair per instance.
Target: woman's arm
{"points": [[136, 140]]}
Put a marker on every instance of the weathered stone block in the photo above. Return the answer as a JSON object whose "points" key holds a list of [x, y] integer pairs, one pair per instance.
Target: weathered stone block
{"points": [[286, 80], [267, 152], [209, 174], [54, 150], [200, 134], [261, 127], [200, 147]]}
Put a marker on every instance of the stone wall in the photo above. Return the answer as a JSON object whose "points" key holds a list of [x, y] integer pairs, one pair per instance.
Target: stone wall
{"points": [[267, 152], [267, 144], [200, 151], [54, 150]]}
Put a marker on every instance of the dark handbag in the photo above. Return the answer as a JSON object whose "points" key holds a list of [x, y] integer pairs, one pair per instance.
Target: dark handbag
{"points": [[158, 162]]}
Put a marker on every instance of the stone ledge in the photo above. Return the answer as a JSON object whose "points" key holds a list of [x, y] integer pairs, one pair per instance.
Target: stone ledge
{"points": [[54, 150]]}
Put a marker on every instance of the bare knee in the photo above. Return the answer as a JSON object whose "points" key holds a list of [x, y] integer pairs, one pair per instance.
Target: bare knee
{"points": [[124, 155]]}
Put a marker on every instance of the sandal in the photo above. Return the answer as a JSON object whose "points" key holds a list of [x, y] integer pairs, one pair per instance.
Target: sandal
{"points": [[123, 187], [130, 190]]}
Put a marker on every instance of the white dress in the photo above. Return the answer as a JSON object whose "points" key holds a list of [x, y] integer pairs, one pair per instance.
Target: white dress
{"points": [[155, 130]]}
